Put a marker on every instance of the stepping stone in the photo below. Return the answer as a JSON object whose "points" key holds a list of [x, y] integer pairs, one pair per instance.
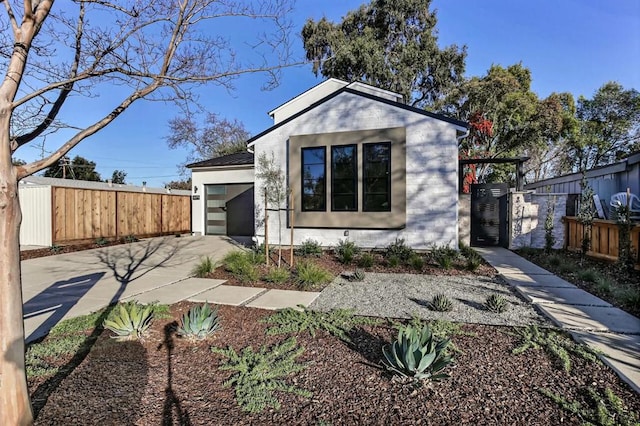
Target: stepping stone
{"points": [[591, 318], [280, 299], [519, 279], [177, 292], [565, 295], [620, 353], [228, 295]]}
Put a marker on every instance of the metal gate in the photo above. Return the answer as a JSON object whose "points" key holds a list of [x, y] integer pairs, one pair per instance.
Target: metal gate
{"points": [[489, 214]]}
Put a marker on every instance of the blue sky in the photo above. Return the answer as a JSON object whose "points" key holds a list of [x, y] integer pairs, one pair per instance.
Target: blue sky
{"points": [[569, 45]]}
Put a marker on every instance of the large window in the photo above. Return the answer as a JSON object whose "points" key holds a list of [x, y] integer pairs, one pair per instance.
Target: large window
{"points": [[313, 179], [377, 177], [344, 178]]}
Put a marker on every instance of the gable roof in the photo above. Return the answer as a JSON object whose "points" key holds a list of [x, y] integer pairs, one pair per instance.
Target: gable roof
{"points": [[236, 159], [348, 89], [323, 89]]}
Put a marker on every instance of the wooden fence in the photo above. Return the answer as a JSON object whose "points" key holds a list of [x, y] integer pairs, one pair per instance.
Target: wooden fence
{"points": [[87, 214], [604, 239]]}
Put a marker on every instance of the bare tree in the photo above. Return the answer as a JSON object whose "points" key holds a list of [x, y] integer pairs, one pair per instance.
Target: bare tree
{"points": [[153, 49], [219, 136]]}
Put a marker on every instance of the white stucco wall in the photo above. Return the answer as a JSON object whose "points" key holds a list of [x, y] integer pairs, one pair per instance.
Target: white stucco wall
{"points": [[212, 176], [528, 215], [432, 171]]}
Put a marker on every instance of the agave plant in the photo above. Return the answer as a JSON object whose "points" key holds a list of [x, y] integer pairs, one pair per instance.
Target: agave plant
{"points": [[200, 322], [358, 275], [131, 321], [441, 303], [416, 353], [496, 303]]}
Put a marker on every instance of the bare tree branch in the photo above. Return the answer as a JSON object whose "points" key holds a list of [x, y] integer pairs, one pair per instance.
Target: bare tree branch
{"points": [[12, 18]]}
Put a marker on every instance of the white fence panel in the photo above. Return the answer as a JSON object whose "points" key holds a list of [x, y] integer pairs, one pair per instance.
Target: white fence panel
{"points": [[35, 203]]}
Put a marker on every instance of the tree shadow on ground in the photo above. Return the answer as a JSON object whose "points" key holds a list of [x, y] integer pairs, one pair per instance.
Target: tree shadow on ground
{"points": [[368, 345], [126, 267], [172, 411], [129, 264]]}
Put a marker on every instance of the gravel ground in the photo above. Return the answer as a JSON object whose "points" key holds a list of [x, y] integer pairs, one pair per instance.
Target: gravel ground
{"points": [[407, 295]]}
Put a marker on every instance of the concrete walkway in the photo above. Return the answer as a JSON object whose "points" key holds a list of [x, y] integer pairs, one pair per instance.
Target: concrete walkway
{"points": [[589, 319], [157, 269]]}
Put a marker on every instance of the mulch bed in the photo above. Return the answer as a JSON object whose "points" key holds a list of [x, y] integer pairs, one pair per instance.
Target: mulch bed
{"points": [[67, 248], [168, 380], [329, 262]]}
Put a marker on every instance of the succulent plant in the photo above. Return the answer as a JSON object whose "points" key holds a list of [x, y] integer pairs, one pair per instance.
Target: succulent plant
{"points": [[358, 275], [200, 322], [496, 303], [417, 354], [130, 321], [441, 303]]}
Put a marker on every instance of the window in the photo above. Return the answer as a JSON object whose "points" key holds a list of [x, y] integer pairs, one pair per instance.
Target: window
{"points": [[313, 179], [377, 177], [344, 178]]}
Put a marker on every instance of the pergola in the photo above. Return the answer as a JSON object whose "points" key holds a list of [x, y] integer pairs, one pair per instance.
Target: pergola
{"points": [[518, 161]]}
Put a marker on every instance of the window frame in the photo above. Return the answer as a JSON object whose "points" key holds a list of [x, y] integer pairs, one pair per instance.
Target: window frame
{"points": [[364, 176], [355, 178], [324, 167]]}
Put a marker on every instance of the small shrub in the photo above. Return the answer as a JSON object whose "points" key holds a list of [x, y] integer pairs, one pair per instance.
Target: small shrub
{"points": [[55, 248], [310, 274], [473, 262], [555, 343], [554, 260], [416, 262], [393, 261], [258, 249], [199, 322], [604, 408], [204, 267], [567, 268], [130, 239], [260, 374], [337, 322], [441, 303], [277, 275], [346, 251], [101, 242], [528, 251], [242, 264], [366, 260], [399, 249], [588, 275], [496, 303], [444, 256], [604, 286], [309, 247], [417, 354], [130, 321]]}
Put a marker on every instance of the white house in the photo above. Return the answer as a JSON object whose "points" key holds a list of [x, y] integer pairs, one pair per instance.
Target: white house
{"points": [[360, 164]]}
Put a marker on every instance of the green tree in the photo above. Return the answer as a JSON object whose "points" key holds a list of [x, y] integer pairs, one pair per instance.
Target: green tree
{"points": [[507, 118], [179, 184], [79, 169], [609, 128], [218, 136], [390, 44], [157, 50], [118, 177]]}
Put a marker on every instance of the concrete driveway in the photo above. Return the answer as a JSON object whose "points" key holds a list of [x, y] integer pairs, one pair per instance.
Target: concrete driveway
{"points": [[67, 285]]}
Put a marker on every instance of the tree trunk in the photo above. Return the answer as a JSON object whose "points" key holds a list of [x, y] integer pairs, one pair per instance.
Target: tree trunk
{"points": [[15, 408]]}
